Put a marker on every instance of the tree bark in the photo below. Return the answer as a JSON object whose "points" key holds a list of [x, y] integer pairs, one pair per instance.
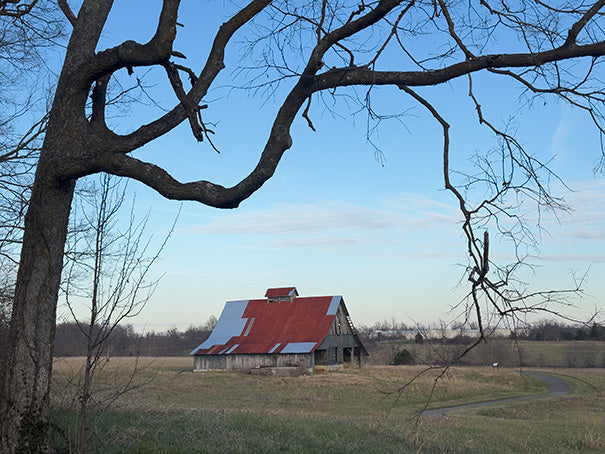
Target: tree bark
{"points": [[25, 404], [24, 410]]}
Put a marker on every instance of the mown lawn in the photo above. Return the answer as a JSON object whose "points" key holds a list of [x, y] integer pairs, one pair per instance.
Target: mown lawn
{"points": [[176, 410]]}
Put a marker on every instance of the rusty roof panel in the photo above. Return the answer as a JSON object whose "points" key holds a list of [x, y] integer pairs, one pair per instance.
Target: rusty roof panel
{"points": [[261, 326], [282, 291]]}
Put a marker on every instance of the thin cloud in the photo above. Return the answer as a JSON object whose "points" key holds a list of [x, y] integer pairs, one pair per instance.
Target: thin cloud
{"points": [[407, 213], [323, 242], [562, 136], [307, 218], [586, 219], [438, 255], [581, 258], [587, 234]]}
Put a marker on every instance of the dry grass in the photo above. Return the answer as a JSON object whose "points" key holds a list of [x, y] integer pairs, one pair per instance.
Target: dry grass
{"points": [[351, 411], [174, 386]]}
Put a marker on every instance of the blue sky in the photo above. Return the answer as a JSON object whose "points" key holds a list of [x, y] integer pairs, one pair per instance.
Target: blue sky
{"points": [[338, 220]]}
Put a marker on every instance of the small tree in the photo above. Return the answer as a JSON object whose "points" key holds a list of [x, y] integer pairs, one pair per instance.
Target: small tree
{"points": [[109, 270], [597, 332], [581, 335], [403, 358]]}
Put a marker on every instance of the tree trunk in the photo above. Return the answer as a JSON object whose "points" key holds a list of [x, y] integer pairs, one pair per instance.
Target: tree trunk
{"points": [[65, 156], [24, 410]]}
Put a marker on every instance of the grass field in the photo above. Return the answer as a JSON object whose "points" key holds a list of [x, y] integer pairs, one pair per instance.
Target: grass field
{"points": [[178, 411], [504, 351]]}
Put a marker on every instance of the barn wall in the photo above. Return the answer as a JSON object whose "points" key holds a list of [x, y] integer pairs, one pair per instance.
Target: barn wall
{"points": [[247, 362], [337, 350]]}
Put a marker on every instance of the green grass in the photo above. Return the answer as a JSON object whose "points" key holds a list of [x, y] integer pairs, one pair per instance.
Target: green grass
{"points": [[564, 353], [351, 411], [204, 431], [583, 354]]}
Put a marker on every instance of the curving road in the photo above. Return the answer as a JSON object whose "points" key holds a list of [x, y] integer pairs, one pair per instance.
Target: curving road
{"points": [[556, 386]]}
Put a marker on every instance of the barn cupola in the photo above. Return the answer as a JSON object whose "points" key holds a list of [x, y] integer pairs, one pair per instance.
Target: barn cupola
{"points": [[281, 295]]}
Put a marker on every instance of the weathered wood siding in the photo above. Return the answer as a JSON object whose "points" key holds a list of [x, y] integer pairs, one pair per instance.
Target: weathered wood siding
{"points": [[340, 346], [246, 362]]}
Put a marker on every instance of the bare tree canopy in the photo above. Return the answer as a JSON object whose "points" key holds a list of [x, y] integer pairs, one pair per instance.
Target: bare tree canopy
{"points": [[109, 271], [311, 51], [16, 8], [26, 34]]}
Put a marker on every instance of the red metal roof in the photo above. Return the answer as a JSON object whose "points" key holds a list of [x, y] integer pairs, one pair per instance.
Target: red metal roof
{"points": [[260, 326], [282, 291]]}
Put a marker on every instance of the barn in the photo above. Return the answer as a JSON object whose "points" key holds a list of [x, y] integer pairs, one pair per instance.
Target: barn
{"points": [[282, 330]]}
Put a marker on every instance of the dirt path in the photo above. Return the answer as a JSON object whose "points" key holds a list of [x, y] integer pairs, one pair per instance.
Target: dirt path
{"points": [[556, 386]]}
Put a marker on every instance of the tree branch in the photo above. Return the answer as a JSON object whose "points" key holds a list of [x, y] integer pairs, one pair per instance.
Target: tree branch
{"points": [[18, 10], [214, 64], [342, 77], [450, 24], [130, 53], [191, 109], [98, 101], [69, 14], [576, 28]]}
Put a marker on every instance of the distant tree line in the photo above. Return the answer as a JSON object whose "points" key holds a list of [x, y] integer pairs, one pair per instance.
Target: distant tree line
{"points": [[70, 340], [125, 341], [457, 334], [549, 330]]}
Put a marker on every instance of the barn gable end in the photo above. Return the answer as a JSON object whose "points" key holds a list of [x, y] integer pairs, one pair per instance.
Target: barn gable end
{"points": [[282, 330]]}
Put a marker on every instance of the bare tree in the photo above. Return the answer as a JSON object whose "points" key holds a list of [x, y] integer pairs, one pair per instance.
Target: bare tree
{"points": [[25, 36], [110, 274], [29, 30], [315, 50]]}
